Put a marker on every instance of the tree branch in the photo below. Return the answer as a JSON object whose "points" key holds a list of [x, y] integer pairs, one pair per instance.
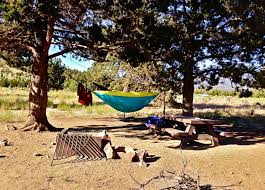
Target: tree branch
{"points": [[33, 50], [59, 53], [207, 71]]}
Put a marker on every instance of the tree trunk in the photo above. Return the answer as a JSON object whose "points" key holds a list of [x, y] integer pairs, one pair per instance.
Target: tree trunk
{"points": [[188, 90], [38, 95], [126, 87]]}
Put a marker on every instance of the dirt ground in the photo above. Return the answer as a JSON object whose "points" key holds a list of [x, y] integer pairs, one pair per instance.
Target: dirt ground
{"points": [[239, 164]]}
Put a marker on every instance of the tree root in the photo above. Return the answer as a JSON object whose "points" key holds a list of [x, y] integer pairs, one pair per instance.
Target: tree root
{"points": [[32, 125]]}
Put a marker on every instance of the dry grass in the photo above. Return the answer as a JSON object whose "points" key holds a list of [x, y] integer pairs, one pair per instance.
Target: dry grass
{"points": [[234, 110]]}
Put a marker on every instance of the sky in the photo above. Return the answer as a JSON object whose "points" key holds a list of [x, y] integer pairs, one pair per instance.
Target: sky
{"points": [[83, 65], [71, 62]]}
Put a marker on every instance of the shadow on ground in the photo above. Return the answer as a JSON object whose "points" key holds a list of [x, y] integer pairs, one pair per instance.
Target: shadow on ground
{"points": [[135, 128], [241, 136], [218, 106]]}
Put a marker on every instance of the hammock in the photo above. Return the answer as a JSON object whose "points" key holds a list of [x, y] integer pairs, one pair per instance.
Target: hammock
{"points": [[126, 101]]}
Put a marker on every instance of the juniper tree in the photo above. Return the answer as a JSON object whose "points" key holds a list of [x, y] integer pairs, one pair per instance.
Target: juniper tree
{"points": [[32, 27], [197, 41]]}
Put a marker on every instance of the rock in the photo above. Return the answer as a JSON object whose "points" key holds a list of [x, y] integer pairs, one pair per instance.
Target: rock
{"points": [[37, 154], [134, 156], [110, 153], [53, 143], [3, 142], [120, 149], [142, 164], [10, 127], [141, 157], [103, 135]]}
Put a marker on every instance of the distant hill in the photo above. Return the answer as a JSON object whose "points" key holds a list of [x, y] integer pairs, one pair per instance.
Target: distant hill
{"points": [[225, 84], [5, 69], [12, 77]]}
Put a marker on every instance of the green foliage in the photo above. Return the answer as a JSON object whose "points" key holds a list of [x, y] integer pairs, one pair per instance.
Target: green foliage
{"points": [[257, 93], [4, 82], [216, 92], [13, 83], [56, 75], [10, 77], [259, 81], [70, 85], [176, 36], [123, 77], [260, 93]]}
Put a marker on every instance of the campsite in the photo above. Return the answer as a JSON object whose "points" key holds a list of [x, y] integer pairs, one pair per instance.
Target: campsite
{"points": [[132, 94], [239, 163]]}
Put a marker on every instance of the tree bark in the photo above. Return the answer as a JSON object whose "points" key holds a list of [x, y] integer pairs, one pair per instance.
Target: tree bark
{"points": [[38, 95], [38, 92], [188, 90]]}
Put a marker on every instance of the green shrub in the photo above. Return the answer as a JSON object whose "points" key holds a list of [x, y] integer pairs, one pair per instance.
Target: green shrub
{"points": [[4, 82], [64, 106], [216, 92], [23, 83], [199, 91], [70, 85], [260, 93], [13, 83]]}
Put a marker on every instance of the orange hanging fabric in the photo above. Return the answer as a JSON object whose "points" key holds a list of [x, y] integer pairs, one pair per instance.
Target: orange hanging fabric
{"points": [[85, 95]]}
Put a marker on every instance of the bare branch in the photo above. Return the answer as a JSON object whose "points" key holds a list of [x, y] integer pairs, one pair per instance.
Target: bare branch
{"points": [[59, 53], [33, 50]]}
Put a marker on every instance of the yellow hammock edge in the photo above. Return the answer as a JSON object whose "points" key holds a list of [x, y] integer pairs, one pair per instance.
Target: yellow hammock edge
{"points": [[127, 94]]}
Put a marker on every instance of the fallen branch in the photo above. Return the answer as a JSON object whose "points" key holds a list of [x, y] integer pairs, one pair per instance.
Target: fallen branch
{"points": [[182, 182]]}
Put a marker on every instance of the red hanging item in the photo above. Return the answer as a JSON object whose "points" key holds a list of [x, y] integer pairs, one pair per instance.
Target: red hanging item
{"points": [[85, 95]]}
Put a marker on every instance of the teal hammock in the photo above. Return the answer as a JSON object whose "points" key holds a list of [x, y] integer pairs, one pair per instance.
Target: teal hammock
{"points": [[126, 101]]}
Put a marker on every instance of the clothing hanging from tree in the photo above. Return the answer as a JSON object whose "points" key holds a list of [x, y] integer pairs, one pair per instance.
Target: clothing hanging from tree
{"points": [[85, 95]]}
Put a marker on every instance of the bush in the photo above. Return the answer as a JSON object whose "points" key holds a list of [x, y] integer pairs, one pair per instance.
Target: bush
{"points": [[23, 83], [216, 92], [245, 94], [260, 93], [4, 82], [71, 85], [13, 83]]}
